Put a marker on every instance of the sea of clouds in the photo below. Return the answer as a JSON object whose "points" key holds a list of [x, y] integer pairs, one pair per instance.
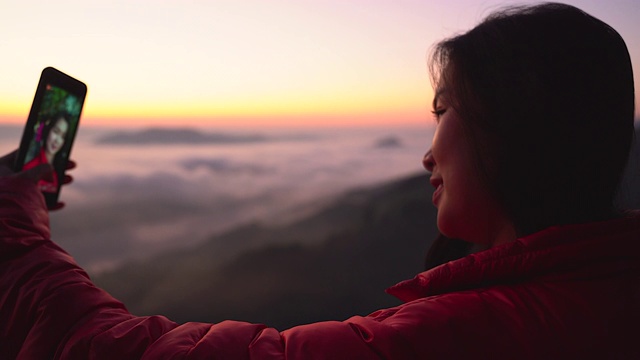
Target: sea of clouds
{"points": [[134, 199]]}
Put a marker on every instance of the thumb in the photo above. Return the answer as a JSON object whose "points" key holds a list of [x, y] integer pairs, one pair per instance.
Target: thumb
{"points": [[37, 173]]}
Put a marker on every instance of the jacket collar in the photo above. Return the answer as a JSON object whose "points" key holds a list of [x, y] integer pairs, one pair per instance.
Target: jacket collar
{"points": [[567, 251]]}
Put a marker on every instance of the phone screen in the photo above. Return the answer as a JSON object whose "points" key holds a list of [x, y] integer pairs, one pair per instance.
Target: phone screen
{"points": [[51, 129]]}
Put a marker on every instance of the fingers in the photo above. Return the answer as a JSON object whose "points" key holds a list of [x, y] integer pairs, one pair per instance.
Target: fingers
{"points": [[9, 159], [67, 179], [7, 162], [37, 173], [71, 165], [57, 206]]}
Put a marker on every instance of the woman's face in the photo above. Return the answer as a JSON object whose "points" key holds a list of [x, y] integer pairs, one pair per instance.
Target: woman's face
{"points": [[57, 134], [466, 210]]}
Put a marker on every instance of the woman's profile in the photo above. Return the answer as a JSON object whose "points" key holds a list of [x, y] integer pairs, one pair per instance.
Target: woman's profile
{"points": [[52, 139], [534, 112]]}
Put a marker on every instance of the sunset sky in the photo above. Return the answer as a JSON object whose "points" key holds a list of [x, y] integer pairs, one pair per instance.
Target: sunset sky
{"points": [[245, 62]]}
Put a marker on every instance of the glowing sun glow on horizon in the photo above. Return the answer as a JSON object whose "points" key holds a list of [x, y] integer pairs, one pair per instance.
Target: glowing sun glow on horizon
{"points": [[250, 62]]}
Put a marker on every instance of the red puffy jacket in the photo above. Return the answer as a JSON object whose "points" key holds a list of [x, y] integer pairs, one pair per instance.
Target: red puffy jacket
{"points": [[566, 292]]}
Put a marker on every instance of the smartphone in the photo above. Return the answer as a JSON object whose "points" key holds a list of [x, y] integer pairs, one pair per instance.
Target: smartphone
{"points": [[51, 128]]}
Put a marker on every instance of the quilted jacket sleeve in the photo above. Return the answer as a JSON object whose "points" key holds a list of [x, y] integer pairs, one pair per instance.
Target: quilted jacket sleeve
{"points": [[46, 300], [50, 309]]}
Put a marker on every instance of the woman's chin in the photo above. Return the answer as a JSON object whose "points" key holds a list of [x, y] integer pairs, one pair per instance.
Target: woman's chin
{"points": [[445, 226]]}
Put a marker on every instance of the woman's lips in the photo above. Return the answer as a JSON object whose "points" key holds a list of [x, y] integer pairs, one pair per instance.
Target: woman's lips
{"points": [[436, 194], [437, 183]]}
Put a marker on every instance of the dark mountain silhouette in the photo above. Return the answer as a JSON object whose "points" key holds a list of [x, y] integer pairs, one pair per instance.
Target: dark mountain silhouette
{"points": [[329, 266], [191, 136], [167, 136]]}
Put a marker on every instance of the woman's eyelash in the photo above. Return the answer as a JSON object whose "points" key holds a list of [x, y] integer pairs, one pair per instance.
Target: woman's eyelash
{"points": [[438, 112]]}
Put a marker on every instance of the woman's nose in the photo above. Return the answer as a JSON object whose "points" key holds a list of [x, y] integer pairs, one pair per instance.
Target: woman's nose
{"points": [[428, 161]]}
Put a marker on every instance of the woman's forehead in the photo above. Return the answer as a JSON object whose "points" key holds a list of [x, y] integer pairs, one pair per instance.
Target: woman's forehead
{"points": [[61, 123]]}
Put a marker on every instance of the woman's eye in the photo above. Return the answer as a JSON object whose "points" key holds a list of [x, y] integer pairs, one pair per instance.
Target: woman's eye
{"points": [[438, 113]]}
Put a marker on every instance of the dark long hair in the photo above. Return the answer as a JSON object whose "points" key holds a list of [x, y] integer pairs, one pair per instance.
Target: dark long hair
{"points": [[444, 249], [546, 95]]}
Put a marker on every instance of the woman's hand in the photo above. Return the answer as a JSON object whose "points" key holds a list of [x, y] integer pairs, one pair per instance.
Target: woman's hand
{"points": [[35, 174]]}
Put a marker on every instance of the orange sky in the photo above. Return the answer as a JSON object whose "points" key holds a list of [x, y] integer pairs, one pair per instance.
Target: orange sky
{"points": [[245, 63]]}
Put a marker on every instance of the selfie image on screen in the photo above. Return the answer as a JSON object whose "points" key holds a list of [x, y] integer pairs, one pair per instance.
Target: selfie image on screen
{"points": [[57, 120]]}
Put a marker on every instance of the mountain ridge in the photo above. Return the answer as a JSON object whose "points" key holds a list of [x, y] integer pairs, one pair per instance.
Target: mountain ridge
{"points": [[357, 247]]}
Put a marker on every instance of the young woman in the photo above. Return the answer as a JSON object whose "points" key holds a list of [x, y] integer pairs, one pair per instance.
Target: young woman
{"points": [[54, 134], [534, 111]]}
